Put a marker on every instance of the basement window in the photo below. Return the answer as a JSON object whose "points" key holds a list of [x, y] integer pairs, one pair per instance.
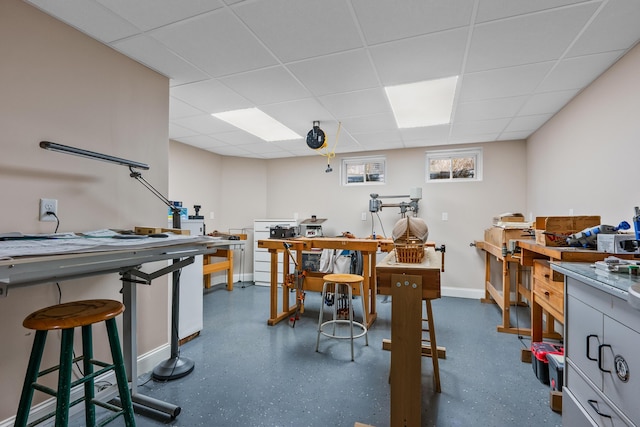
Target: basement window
{"points": [[454, 165], [363, 170]]}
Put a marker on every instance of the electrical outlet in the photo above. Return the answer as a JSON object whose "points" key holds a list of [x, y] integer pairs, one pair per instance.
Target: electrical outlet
{"points": [[364, 216], [48, 205], [445, 216], [212, 215]]}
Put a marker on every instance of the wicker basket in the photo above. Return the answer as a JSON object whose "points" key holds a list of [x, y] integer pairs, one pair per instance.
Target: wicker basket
{"points": [[409, 248]]}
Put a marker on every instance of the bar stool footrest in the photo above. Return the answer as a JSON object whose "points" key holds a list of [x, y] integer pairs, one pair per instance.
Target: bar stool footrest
{"points": [[363, 329]]}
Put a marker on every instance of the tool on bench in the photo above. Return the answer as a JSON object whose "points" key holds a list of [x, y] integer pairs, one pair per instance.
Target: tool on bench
{"points": [[296, 281]]}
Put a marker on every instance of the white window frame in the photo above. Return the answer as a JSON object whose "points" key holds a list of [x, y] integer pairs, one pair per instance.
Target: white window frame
{"points": [[344, 178], [476, 153]]}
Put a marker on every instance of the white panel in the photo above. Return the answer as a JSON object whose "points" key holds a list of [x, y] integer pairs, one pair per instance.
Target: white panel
{"points": [[148, 14], [547, 102], [503, 82], [383, 20], [199, 41], [359, 103], [535, 38], [530, 123], [421, 58], [575, 73], [210, 96], [489, 10], [268, 85], [301, 29], [336, 73], [489, 109]]}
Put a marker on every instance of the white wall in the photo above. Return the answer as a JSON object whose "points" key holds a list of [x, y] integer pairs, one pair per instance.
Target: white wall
{"points": [[57, 84], [586, 158]]}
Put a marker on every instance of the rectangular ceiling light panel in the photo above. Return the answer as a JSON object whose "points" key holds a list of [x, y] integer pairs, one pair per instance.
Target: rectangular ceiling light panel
{"points": [[257, 123], [420, 104]]}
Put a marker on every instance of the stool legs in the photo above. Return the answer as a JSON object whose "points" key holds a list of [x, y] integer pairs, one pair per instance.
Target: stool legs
{"points": [[89, 393], [31, 377], [121, 375], [335, 321], [64, 378]]}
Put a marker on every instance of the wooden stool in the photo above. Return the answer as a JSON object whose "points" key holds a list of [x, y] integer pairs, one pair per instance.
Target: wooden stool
{"points": [[66, 317], [345, 281]]}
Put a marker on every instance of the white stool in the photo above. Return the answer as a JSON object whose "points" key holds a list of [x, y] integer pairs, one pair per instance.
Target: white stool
{"points": [[344, 281]]}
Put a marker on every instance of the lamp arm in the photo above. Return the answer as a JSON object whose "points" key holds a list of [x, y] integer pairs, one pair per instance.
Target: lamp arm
{"points": [[176, 210]]}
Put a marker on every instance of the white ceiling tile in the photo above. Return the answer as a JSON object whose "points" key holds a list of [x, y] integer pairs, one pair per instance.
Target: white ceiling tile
{"points": [[489, 109], [616, 27], [422, 58], [266, 86], [204, 42], [156, 56], [89, 17], [299, 115], [414, 137], [548, 102], [301, 29], [383, 20], [372, 123], [148, 14], [342, 72], [527, 123], [176, 131], [360, 103], [503, 82], [575, 73], [202, 141], [489, 10], [204, 124], [237, 137], [480, 127], [210, 96], [506, 136], [179, 109], [536, 38], [474, 139]]}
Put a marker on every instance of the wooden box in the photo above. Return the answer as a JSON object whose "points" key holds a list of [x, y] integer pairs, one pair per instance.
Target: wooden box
{"points": [[498, 236], [554, 230]]}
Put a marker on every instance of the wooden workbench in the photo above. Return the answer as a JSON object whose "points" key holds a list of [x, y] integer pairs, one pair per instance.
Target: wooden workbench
{"points": [[313, 280], [502, 295], [547, 290], [409, 285]]}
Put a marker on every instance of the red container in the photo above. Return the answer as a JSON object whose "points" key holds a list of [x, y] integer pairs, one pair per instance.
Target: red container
{"points": [[540, 364]]}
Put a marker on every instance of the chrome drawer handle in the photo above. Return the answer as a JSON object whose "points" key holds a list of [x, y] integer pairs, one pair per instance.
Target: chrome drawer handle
{"points": [[594, 405], [588, 347]]}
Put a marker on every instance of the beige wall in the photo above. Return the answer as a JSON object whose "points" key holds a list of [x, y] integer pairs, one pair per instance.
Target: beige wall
{"points": [[59, 85], [586, 157]]}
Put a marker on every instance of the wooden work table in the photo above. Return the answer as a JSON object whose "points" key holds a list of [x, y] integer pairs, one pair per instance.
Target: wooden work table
{"points": [[313, 280], [547, 286], [409, 285]]}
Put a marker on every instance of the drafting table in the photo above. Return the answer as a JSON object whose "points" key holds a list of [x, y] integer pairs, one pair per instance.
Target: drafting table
{"points": [[31, 270]]}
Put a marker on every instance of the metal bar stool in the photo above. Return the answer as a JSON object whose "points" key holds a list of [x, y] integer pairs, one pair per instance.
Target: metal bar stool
{"points": [[345, 281], [66, 317]]}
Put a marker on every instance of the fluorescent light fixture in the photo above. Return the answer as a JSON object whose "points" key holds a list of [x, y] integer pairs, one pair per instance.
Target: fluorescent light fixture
{"points": [[425, 103], [258, 123]]}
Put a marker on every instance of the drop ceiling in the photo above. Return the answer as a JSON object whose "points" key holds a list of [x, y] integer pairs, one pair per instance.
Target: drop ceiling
{"points": [[519, 62]]}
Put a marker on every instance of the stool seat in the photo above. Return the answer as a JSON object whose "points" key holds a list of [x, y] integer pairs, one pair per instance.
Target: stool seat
{"points": [[73, 314], [343, 278], [65, 318]]}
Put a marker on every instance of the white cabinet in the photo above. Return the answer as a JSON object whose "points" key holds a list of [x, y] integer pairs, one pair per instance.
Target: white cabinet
{"points": [[262, 257], [191, 302], [602, 343]]}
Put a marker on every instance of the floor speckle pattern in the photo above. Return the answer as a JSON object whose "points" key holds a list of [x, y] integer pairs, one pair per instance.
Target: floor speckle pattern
{"points": [[249, 374]]}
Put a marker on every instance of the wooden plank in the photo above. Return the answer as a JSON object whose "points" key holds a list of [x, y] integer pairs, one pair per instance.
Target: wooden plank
{"points": [[406, 334], [426, 349]]}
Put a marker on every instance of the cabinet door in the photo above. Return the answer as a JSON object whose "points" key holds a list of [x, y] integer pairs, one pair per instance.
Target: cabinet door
{"points": [[584, 337], [622, 384]]}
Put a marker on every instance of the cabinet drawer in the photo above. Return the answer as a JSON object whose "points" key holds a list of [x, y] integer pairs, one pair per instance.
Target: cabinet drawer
{"points": [[542, 271], [551, 293], [591, 401]]}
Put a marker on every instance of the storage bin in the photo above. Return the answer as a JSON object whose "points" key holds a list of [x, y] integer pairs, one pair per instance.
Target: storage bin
{"points": [[556, 369], [539, 351]]}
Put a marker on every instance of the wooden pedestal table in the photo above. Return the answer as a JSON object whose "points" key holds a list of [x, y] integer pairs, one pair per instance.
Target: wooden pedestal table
{"points": [[409, 285], [313, 280], [501, 295]]}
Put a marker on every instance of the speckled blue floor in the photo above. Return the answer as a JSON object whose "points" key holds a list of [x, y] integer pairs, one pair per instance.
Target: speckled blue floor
{"points": [[250, 374]]}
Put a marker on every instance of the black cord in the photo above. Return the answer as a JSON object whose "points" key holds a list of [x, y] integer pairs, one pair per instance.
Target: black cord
{"points": [[57, 220]]}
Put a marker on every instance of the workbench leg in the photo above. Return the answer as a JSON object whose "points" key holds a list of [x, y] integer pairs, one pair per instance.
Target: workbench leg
{"points": [[206, 259], [406, 355], [536, 320], [506, 295], [273, 284], [230, 271], [433, 345]]}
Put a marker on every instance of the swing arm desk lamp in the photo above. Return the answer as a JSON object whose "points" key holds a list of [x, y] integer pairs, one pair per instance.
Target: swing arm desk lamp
{"points": [[176, 366]]}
